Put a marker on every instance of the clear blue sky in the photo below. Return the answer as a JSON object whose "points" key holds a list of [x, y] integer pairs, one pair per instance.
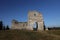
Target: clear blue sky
{"points": [[18, 9]]}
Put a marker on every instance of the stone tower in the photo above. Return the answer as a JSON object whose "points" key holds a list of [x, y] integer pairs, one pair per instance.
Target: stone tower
{"points": [[35, 21]]}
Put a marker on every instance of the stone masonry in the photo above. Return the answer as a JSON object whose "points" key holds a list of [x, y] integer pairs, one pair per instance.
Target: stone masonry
{"points": [[35, 21]]}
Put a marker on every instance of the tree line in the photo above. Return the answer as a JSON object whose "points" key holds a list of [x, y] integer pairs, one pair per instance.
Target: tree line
{"points": [[53, 28], [2, 27]]}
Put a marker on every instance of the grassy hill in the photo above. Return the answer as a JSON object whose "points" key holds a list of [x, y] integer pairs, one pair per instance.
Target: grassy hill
{"points": [[29, 35]]}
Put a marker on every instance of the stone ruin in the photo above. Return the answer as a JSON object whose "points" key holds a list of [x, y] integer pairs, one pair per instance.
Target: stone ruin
{"points": [[35, 22]]}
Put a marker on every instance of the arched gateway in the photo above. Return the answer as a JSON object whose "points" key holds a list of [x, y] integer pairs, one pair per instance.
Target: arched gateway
{"points": [[35, 19], [35, 27]]}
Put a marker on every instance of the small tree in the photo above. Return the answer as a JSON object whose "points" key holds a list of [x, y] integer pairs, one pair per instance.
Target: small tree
{"points": [[7, 28], [1, 25], [44, 25]]}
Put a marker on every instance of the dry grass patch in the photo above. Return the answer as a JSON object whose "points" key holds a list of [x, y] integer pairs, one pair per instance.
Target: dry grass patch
{"points": [[26, 35]]}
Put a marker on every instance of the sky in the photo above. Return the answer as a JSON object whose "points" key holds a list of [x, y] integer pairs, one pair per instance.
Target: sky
{"points": [[18, 9]]}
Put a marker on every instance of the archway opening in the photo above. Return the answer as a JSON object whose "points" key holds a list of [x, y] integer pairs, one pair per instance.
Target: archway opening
{"points": [[35, 26]]}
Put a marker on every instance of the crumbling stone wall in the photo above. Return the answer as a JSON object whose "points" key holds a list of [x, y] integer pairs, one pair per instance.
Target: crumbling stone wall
{"points": [[18, 25], [33, 17]]}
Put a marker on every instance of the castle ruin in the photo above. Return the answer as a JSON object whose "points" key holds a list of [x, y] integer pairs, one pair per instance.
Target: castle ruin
{"points": [[35, 22]]}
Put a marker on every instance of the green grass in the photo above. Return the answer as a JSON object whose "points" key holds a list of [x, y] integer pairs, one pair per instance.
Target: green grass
{"points": [[29, 35]]}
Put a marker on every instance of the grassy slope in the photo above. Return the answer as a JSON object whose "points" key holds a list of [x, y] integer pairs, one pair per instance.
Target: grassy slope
{"points": [[29, 35]]}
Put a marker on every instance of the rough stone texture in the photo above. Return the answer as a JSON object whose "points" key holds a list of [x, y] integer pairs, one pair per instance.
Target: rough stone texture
{"points": [[18, 25], [33, 16]]}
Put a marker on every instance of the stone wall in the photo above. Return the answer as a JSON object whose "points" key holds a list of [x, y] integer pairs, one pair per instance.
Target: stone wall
{"points": [[19, 25], [34, 16]]}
